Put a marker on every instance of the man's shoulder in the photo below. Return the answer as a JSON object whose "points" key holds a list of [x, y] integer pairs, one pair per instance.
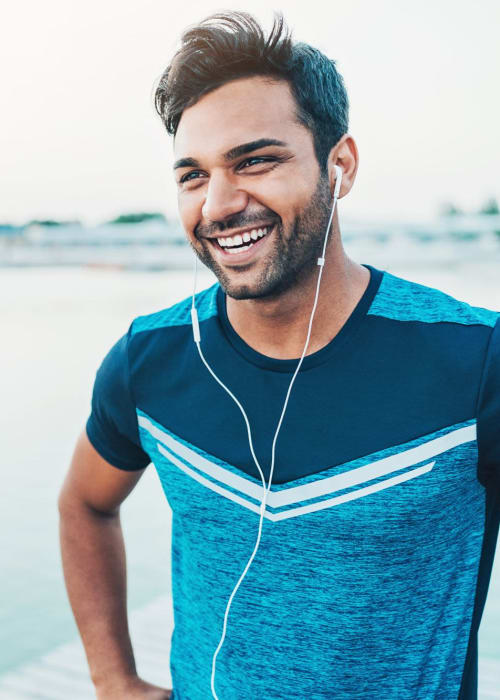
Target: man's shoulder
{"points": [[405, 300], [178, 314]]}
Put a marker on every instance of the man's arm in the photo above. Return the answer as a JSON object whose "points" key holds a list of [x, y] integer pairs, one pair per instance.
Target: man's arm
{"points": [[93, 557]]}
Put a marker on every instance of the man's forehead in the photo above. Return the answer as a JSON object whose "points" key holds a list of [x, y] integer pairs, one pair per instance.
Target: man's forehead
{"points": [[238, 112]]}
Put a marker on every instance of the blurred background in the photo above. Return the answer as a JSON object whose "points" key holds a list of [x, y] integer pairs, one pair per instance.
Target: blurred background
{"points": [[89, 237]]}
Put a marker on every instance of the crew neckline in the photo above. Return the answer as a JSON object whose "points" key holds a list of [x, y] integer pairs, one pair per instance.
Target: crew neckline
{"points": [[325, 353]]}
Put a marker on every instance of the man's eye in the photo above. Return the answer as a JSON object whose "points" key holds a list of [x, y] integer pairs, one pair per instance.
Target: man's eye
{"points": [[193, 175], [256, 160]]}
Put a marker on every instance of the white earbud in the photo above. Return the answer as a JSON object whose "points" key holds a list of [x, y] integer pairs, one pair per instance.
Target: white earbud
{"points": [[338, 181]]}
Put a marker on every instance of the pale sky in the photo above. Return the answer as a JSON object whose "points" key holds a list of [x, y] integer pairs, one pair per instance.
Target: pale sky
{"points": [[80, 138]]}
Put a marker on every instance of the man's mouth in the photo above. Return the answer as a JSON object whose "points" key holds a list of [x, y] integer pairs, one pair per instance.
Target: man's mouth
{"points": [[241, 242]]}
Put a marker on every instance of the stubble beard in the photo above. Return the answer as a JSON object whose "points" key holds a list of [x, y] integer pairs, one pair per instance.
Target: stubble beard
{"points": [[295, 255]]}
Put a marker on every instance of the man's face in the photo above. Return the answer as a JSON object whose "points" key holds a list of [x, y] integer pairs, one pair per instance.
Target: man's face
{"points": [[251, 198]]}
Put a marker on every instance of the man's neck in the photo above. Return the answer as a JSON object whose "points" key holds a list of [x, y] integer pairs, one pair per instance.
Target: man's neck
{"points": [[278, 327]]}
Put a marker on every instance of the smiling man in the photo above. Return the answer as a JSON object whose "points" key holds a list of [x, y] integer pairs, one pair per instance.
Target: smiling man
{"points": [[366, 572]]}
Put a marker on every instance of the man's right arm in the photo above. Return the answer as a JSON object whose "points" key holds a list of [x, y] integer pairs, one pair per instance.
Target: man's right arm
{"points": [[93, 557]]}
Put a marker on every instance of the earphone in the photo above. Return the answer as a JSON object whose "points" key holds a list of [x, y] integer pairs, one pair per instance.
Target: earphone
{"points": [[266, 489]]}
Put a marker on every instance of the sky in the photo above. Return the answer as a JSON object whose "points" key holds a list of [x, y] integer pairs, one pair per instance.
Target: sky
{"points": [[80, 138]]}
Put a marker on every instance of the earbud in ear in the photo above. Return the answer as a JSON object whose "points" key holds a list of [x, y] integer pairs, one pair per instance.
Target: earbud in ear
{"points": [[338, 180]]}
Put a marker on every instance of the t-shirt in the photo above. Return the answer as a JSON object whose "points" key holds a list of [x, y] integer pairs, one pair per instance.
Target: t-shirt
{"points": [[381, 524]]}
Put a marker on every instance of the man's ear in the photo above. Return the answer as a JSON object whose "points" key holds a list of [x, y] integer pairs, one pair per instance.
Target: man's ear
{"points": [[345, 155]]}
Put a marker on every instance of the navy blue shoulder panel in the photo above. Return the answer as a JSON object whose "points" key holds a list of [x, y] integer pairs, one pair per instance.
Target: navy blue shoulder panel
{"points": [[112, 425]]}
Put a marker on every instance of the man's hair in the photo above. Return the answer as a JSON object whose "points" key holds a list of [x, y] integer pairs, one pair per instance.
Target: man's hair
{"points": [[231, 45]]}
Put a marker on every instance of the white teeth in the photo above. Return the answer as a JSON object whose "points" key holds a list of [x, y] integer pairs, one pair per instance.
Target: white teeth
{"points": [[239, 239]]}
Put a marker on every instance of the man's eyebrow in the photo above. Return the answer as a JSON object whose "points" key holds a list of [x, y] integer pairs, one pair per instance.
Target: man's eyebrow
{"points": [[238, 151], [186, 163]]}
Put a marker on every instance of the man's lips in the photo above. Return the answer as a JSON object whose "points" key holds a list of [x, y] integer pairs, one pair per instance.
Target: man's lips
{"points": [[241, 247]]}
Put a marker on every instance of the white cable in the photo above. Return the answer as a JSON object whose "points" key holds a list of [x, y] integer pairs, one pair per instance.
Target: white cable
{"points": [[266, 489]]}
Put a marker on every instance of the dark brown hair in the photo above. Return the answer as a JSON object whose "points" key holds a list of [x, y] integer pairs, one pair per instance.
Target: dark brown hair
{"points": [[231, 45]]}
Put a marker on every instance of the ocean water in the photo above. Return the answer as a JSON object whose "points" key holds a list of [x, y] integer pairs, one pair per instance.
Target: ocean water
{"points": [[57, 324]]}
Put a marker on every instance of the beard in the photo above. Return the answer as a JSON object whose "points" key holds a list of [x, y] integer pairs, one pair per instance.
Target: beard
{"points": [[295, 252]]}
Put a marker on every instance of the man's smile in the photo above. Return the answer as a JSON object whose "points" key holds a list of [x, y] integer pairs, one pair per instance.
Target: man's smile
{"points": [[245, 240], [241, 247]]}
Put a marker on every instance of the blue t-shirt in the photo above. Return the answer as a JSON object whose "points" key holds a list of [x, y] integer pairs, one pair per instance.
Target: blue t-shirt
{"points": [[381, 525]]}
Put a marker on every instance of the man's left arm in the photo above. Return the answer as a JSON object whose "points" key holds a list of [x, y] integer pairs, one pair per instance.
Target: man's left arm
{"points": [[488, 414]]}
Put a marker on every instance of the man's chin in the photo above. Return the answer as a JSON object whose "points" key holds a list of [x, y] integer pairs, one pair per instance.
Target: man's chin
{"points": [[231, 286], [240, 290], [249, 282], [255, 289]]}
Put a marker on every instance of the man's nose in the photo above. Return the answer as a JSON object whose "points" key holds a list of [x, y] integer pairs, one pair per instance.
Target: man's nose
{"points": [[223, 199]]}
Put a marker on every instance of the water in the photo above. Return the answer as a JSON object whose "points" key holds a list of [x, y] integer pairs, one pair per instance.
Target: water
{"points": [[57, 324]]}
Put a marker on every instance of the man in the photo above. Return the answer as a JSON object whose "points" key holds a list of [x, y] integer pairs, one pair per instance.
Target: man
{"points": [[380, 527]]}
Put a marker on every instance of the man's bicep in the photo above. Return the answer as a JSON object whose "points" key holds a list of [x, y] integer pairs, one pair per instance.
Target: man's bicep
{"points": [[94, 482]]}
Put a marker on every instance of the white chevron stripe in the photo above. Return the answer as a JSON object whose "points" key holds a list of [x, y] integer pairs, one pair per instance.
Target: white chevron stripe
{"points": [[322, 486], [353, 495], [209, 484], [238, 483], [301, 510], [371, 471]]}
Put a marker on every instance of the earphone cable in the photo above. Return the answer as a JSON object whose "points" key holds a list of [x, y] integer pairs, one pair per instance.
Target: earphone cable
{"points": [[266, 489]]}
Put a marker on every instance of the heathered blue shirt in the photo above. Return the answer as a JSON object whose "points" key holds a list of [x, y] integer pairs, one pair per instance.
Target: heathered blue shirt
{"points": [[380, 529]]}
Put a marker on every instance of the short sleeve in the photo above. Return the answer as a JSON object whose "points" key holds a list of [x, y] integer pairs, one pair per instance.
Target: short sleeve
{"points": [[112, 425], [488, 413]]}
